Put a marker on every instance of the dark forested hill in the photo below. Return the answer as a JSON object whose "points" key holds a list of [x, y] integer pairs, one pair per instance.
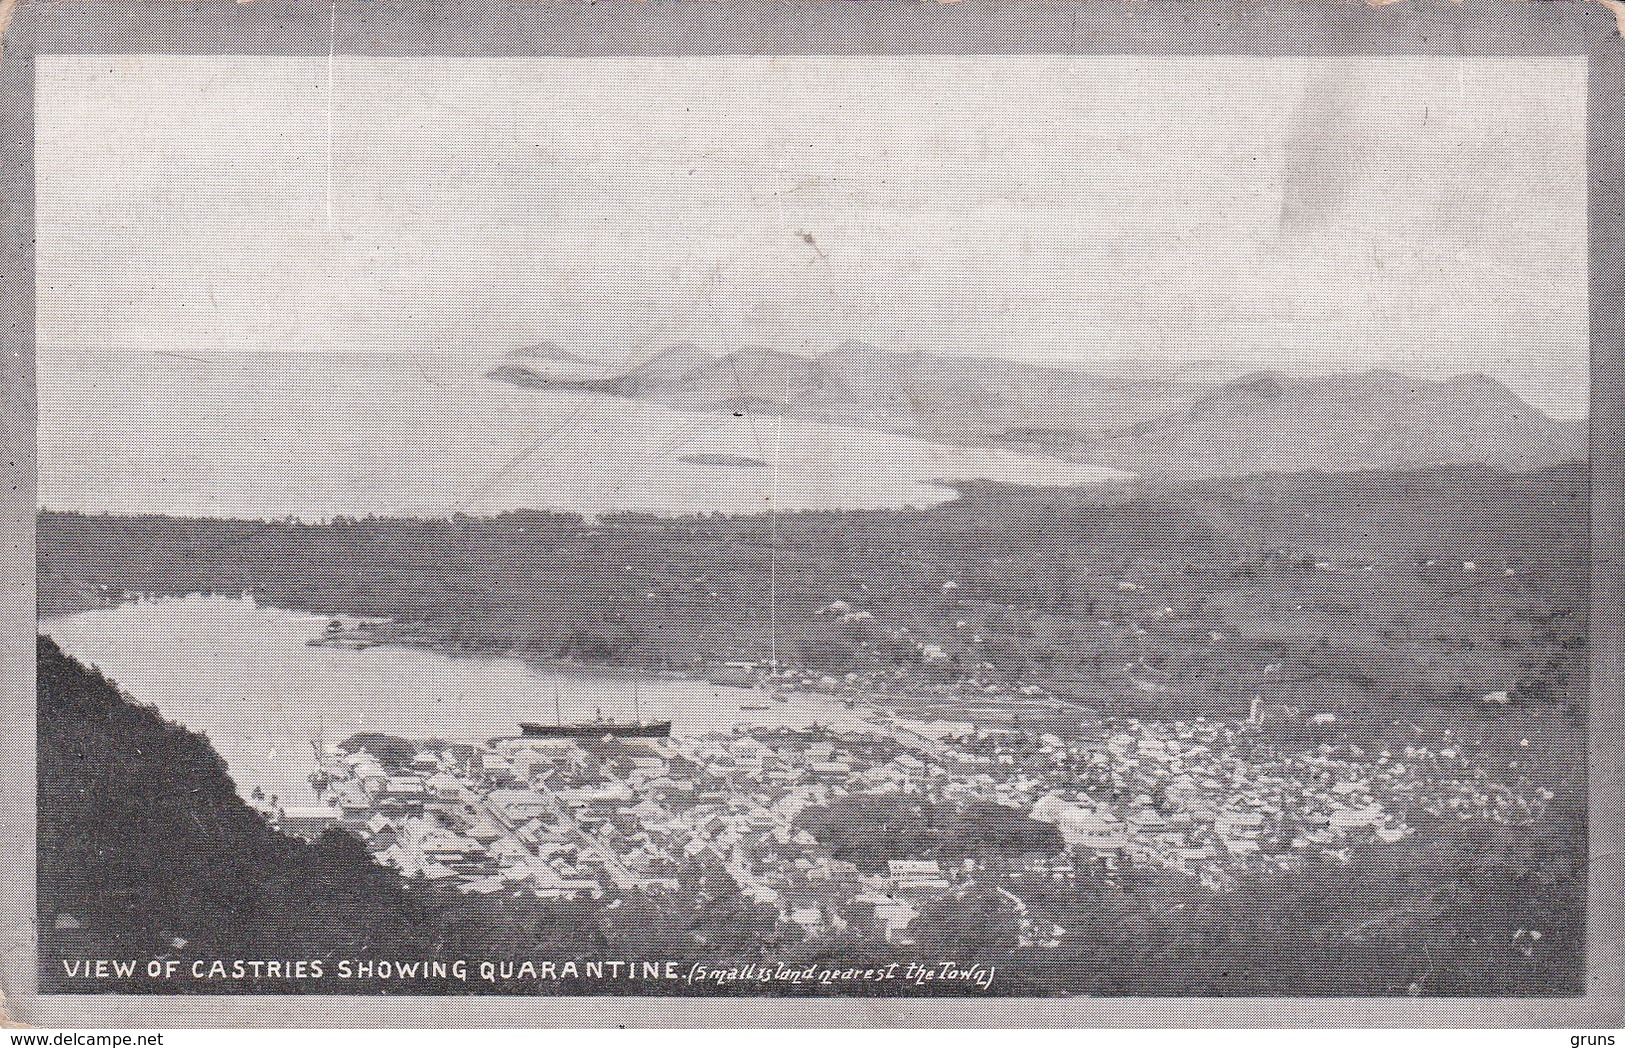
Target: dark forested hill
{"points": [[146, 851]]}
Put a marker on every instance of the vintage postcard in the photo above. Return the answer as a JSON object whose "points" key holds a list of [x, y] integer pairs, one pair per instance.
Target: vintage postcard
{"points": [[714, 513]]}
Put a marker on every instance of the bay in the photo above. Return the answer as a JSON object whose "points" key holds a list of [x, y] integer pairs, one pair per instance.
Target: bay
{"points": [[320, 434], [246, 676]]}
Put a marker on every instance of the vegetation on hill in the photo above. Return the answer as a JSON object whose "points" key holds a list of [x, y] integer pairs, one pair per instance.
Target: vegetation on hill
{"points": [[1372, 592]]}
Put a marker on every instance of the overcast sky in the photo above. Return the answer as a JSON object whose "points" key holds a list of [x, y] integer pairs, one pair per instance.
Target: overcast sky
{"points": [[1422, 214]]}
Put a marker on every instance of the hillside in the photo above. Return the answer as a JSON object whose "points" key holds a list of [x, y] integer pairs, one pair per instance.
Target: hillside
{"points": [[145, 850], [1273, 423], [1038, 592], [1145, 421]]}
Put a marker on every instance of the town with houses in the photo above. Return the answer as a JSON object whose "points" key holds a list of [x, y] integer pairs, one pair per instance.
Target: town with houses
{"points": [[595, 817]]}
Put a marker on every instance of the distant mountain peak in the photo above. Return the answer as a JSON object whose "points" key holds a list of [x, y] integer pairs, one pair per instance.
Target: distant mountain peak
{"points": [[545, 365], [1266, 385], [1340, 422]]}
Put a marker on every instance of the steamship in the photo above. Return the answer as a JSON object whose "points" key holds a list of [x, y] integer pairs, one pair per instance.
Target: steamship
{"points": [[636, 728]]}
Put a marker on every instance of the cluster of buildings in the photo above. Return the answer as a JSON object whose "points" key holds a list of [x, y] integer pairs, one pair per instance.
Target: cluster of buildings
{"points": [[594, 818]]}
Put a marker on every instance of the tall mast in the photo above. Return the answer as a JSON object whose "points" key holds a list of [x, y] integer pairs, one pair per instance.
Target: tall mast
{"points": [[558, 714], [637, 712], [773, 545]]}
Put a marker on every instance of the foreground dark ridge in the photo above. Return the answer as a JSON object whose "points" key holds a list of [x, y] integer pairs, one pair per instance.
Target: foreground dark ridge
{"points": [[145, 850]]}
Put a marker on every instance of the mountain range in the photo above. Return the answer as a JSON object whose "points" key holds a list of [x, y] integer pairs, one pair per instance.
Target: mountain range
{"points": [[1148, 420]]}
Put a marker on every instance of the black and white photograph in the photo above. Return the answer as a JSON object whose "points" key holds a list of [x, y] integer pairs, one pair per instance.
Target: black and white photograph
{"points": [[876, 522]]}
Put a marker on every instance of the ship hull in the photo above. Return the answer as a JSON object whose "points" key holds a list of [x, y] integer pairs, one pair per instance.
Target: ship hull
{"points": [[648, 730]]}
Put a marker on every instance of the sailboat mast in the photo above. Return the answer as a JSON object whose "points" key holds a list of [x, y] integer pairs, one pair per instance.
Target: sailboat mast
{"points": [[637, 712], [558, 714]]}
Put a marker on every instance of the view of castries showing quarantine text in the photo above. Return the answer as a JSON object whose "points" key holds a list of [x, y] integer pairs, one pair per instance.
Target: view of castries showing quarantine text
{"points": [[944, 526]]}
